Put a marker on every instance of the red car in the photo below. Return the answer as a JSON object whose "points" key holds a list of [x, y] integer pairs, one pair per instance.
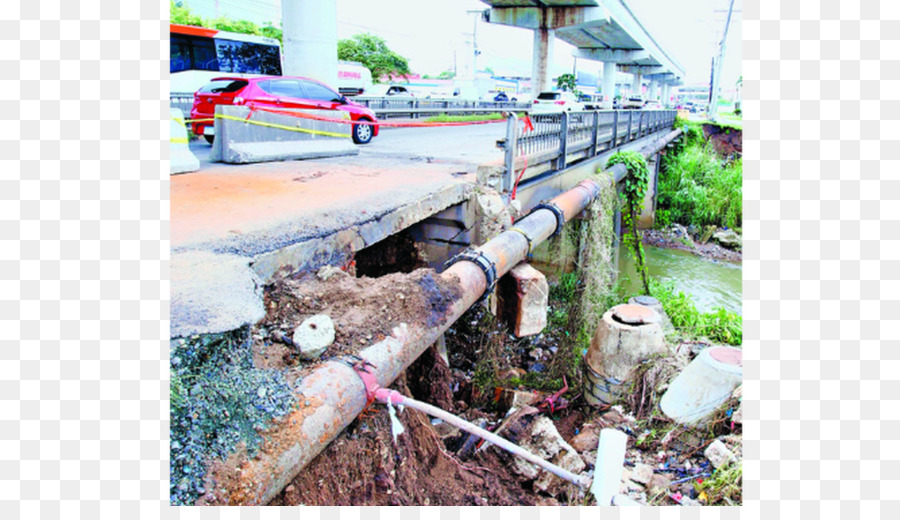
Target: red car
{"points": [[277, 92]]}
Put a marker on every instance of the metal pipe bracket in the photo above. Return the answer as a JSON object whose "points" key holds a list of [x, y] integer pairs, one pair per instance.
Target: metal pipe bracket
{"points": [[488, 266], [560, 216]]}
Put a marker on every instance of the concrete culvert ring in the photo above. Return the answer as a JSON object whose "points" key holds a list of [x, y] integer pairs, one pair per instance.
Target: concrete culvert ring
{"points": [[627, 335]]}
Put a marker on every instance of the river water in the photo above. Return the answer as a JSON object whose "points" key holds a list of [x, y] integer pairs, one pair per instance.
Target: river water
{"points": [[710, 283]]}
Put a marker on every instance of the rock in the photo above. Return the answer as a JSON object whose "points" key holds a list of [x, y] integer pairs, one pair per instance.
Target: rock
{"points": [[536, 354], [314, 336], [613, 417], [549, 483], [693, 231], [738, 416], [707, 234], [546, 501], [642, 473], [586, 440], [523, 297], [517, 398], [658, 483], [727, 238], [327, 271], [719, 454], [589, 458], [444, 429], [513, 373]]}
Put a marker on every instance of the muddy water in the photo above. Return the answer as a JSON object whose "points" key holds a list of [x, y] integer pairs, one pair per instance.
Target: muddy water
{"points": [[710, 283]]}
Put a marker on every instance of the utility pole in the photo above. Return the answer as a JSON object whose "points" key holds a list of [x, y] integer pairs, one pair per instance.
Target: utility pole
{"points": [[713, 108], [475, 50]]}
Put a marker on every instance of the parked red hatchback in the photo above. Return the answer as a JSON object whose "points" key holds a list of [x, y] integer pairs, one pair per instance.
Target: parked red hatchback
{"points": [[277, 92]]}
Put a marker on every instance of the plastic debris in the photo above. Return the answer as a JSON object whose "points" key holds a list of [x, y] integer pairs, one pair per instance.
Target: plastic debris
{"points": [[396, 426]]}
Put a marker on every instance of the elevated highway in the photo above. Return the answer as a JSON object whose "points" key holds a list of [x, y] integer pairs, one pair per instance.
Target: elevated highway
{"points": [[600, 30]]}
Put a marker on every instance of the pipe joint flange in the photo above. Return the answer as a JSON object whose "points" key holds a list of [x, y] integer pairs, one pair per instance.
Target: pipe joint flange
{"points": [[560, 216], [487, 266]]}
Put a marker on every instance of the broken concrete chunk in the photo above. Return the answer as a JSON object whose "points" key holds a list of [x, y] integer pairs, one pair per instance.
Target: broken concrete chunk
{"points": [[537, 434], [523, 300], [719, 455], [314, 336], [658, 483], [586, 440], [642, 473], [517, 398], [327, 271]]}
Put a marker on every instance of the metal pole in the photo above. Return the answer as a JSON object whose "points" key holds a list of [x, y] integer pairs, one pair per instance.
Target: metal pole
{"points": [[563, 140], [615, 130], [595, 133], [511, 151]]}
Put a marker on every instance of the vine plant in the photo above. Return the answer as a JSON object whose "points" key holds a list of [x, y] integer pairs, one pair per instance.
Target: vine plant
{"points": [[633, 197]]}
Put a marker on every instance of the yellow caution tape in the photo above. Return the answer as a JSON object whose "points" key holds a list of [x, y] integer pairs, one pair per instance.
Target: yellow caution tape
{"points": [[283, 127]]}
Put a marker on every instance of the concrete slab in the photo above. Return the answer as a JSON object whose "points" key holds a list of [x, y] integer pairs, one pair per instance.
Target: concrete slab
{"points": [[233, 228], [213, 293]]}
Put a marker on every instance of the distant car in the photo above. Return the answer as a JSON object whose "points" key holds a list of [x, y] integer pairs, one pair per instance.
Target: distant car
{"points": [[592, 101], [555, 101], [652, 105], [398, 91], [633, 102], [501, 96], [277, 92]]}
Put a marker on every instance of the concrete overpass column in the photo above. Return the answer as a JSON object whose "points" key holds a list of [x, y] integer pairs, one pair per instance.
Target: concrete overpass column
{"points": [[665, 95], [636, 85], [540, 59], [653, 89], [310, 39], [609, 84]]}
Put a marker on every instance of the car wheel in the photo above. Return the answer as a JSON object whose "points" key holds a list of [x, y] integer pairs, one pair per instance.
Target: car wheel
{"points": [[209, 138], [362, 134]]}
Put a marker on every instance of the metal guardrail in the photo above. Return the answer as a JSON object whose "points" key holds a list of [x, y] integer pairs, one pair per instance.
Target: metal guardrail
{"points": [[559, 140], [387, 107], [183, 101]]}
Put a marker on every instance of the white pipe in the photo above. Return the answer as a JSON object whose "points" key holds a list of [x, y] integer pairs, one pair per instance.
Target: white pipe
{"points": [[384, 394]]}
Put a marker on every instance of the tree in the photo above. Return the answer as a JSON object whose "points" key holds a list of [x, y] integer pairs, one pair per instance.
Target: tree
{"points": [[566, 82], [183, 15], [447, 74], [374, 54]]}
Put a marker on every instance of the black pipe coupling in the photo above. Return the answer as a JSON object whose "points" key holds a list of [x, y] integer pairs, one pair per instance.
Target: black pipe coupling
{"points": [[560, 217], [482, 261]]}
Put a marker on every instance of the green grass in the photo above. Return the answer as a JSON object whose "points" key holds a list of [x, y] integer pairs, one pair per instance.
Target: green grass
{"points": [[720, 325], [724, 486], [697, 187]]}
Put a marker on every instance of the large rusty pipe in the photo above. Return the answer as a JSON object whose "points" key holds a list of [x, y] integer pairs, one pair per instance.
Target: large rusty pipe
{"points": [[332, 396]]}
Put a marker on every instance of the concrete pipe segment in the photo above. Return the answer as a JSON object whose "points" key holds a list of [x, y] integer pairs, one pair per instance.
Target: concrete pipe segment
{"points": [[703, 385], [628, 335], [332, 396]]}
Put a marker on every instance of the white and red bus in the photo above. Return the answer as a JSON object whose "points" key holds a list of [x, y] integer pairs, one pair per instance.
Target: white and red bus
{"points": [[199, 54]]}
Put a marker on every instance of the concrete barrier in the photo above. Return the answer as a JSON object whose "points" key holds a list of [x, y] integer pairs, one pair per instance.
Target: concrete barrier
{"points": [[267, 136], [181, 159]]}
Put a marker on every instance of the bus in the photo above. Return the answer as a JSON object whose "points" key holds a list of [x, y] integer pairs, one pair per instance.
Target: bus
{"points": [[199, 54]]}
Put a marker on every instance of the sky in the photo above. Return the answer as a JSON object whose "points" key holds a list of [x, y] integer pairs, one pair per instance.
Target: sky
{"points": [[429, 33]]}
